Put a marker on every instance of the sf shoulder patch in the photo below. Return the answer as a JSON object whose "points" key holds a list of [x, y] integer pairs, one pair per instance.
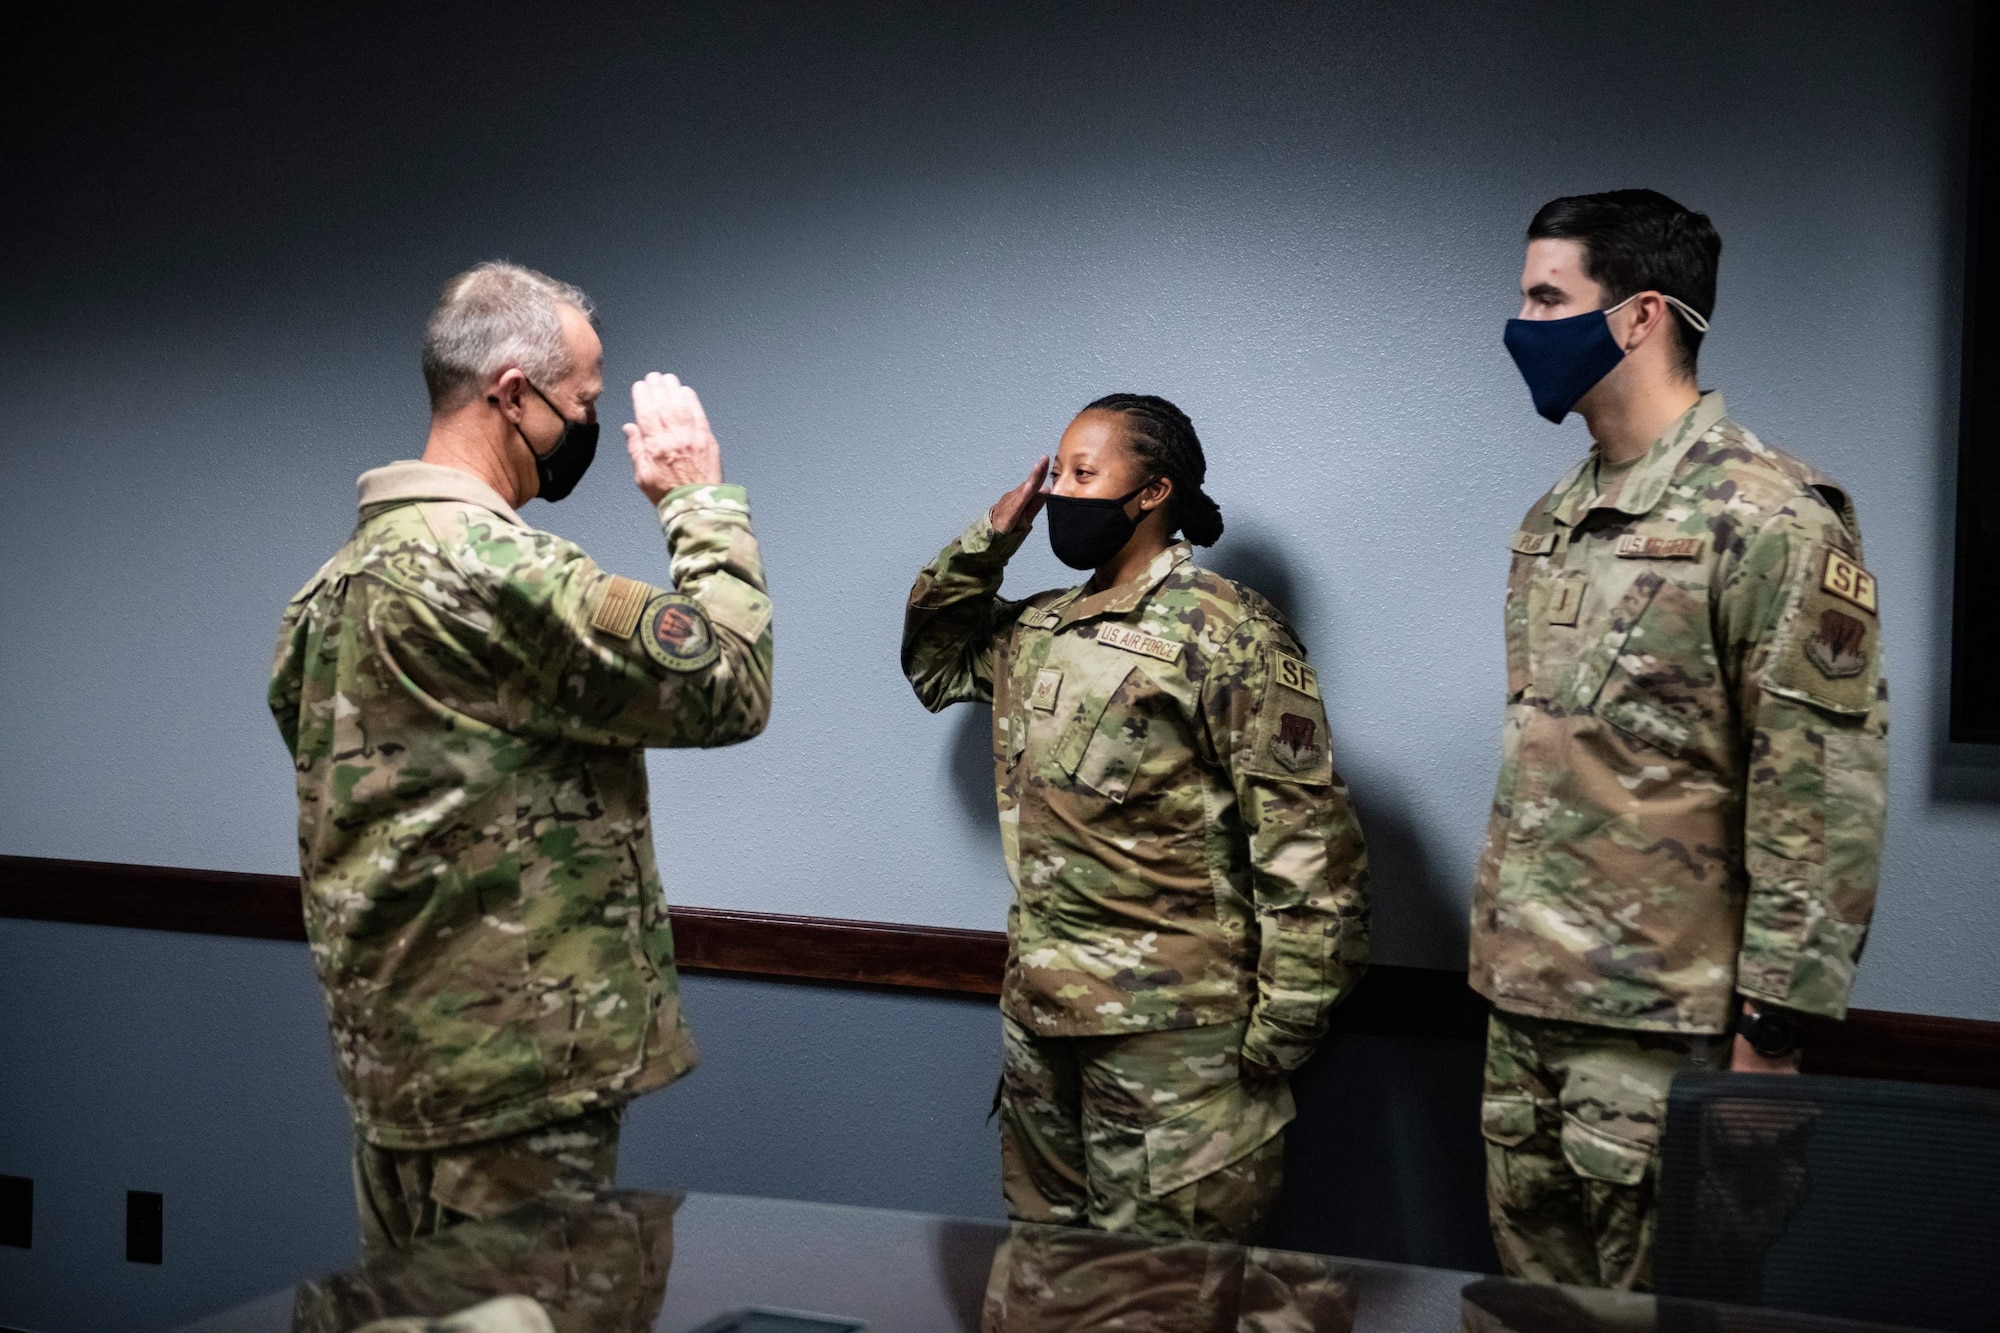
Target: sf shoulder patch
{"points": [[619, 602], [1286, 736], [677, 634], [1296, 675], [1825, 651]]}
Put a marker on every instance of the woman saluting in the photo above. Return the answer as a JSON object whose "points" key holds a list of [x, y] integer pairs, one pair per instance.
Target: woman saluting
{"points": [[1190, 889]]}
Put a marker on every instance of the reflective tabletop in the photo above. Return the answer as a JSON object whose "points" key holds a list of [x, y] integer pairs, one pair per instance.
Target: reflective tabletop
{"points": [[627, 1261]]}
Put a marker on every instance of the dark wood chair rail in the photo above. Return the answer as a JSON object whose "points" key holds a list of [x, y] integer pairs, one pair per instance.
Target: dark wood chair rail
{"points": [[1392, 1001]]}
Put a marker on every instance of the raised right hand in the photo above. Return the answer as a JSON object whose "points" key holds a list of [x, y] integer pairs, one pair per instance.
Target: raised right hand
{"points": [[670, 441], [1016, 510]]}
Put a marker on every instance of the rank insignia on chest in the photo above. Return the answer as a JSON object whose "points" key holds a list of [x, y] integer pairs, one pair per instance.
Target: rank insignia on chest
{"points": [[1632, 546], [1297, 745], [1048, 684], [1137, 641], [677, 634], [1566, 599], [1849, 581]]}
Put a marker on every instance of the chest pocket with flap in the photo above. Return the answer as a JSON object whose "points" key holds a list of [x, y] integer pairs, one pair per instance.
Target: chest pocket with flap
{"points": [[1103, 732]]}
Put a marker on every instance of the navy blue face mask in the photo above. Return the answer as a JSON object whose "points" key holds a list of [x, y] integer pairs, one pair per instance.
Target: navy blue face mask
{"points": [[1563, 359]]}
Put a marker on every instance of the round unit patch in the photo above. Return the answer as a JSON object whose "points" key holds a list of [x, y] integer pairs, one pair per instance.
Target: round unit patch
{"points": [[677, 634]]}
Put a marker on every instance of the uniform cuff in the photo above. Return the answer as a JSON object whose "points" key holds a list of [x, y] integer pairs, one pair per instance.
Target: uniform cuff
{"points": [[703, 495]]}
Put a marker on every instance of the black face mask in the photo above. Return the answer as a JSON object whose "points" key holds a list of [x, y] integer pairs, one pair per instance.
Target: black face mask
{"points": [[563, 466], [1086, 533]]}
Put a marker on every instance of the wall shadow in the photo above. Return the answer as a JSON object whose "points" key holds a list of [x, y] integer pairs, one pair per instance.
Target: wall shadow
{"points": [[1251, 556], [1419, 913], [969, 767]]}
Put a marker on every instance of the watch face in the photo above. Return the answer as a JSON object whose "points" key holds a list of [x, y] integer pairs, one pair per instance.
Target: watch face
{"points": [[1770, 1035]]}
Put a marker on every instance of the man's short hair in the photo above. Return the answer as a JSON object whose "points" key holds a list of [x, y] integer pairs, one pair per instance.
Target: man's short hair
{"points": [[492, 317], [1640, 241]]}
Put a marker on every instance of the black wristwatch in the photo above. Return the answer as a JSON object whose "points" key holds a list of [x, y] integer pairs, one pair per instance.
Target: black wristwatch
{"points": [[1772, 1033]]}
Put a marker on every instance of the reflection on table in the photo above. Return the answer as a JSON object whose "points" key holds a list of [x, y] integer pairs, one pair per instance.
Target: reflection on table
{"points": [[632, 1262]]}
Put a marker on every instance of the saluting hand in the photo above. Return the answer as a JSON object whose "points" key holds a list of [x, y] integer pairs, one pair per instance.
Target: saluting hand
{"points": [[1016, 510], [670, 440]]}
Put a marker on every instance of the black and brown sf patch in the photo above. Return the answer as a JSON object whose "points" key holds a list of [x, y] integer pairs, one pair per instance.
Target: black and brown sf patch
{"points": [[1297, 745]]}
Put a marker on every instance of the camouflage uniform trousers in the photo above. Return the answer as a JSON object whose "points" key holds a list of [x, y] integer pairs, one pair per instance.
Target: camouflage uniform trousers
{"points": [[1572, 1114], [405, 1196], [1154, 1133]]}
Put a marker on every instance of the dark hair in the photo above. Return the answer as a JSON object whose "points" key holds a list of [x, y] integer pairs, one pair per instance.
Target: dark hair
{"points": [[1640, 241], [1164, 439]]}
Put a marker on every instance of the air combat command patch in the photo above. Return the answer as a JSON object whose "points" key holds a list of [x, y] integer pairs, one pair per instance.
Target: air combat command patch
{"points": [[677, 634], [1297, 745]]}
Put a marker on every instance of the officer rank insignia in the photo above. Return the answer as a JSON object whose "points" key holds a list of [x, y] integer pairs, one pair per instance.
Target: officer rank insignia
{"points": [[677, 634]]}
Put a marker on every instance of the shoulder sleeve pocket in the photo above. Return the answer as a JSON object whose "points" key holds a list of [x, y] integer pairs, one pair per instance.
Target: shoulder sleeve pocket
{"points": [[1826, 651], [1286, 738]]}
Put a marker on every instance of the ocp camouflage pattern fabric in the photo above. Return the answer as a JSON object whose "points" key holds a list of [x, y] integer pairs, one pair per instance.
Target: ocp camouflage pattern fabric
{"points": [[1572, 1115], [1182, 850], [405, 1195], [591, 1263], [1693, 778], [1154, 1133], [467, 700], [1061, 1280]]}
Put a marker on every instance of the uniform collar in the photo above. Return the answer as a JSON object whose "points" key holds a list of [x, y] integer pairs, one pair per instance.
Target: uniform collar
{"points": [[1127, 597], [412, 480], [1647, 481]]}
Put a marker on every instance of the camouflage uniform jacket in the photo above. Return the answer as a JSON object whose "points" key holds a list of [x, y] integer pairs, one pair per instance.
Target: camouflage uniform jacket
{"points": [[466, 700], [1692, 784], [1182, 852]]}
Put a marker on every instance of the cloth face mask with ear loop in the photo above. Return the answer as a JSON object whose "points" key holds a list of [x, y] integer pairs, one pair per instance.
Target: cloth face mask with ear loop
{"points": [[563, 466], [1563, 359], [1084, 533]]}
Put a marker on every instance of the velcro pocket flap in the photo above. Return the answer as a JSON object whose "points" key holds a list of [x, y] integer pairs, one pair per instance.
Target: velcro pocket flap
{"points": [[1594, 667], [1596, 1155], [1087, 690], [1507, 1121], [1219, 1130], [1647, 720]]}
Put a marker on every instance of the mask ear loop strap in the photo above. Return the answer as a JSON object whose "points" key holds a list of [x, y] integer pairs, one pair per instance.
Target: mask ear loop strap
{"points": [[1686, 311]]}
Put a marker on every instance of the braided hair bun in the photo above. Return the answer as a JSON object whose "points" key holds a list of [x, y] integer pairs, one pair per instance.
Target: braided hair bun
{"points": [[1164, 440]]}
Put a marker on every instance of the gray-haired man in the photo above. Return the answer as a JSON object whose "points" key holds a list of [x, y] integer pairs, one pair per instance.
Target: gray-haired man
{"points": [[467, 701]]}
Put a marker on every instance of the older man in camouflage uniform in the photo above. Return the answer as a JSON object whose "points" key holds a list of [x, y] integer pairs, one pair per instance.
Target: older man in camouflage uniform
{"points": [[1691, 795], [1190, 882], [467, 701]]}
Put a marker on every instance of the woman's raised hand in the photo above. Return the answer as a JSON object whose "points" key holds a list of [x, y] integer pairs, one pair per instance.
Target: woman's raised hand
{"points": [[1016, 510]]}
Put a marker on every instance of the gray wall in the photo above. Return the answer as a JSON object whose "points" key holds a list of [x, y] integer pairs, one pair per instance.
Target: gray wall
{"points": [[896, 251]]}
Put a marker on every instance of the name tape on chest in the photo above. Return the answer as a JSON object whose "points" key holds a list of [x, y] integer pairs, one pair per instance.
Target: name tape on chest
{"points": [[1849, 581], [1137, 641], [1534, 543], [619, 603], [1296, 675], [1634, 547]]}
